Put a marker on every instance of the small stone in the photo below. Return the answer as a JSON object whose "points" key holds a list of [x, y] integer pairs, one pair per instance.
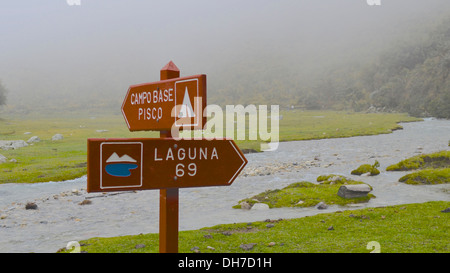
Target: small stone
{"points": [[3, 216], [33, 139], [57, 137], [227, 233], [207, 236], [247, 246], [260, 206], [195, 248], [139, 246], [85, 202], [245, 205], [271, 244], [210, 248], [331, 228], [270, 225], [446, 210], [31, 205], [321, 205]]}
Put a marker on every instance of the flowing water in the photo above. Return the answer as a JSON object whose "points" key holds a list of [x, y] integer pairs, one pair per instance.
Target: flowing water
{"points": [[60, 218]]}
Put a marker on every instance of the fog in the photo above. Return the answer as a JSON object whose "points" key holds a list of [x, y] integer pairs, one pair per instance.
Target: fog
{"points": [[58, 57]]}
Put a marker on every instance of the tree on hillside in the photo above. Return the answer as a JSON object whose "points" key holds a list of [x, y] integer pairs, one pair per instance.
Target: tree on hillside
{"points": [[2, 94]]}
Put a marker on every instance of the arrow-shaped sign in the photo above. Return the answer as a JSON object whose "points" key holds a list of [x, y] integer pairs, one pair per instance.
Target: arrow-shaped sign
{"points": [[145, 164], [160, 105]]}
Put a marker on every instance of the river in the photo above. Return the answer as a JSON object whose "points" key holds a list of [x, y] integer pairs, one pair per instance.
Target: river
{"points": [[60, 218]]}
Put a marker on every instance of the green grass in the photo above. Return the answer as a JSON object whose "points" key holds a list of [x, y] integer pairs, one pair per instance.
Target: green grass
{"points": [[427, 177], [433, 169], [411, 228], [66, 159], [304, 125], [434, 160], [307, 194], [49, 160], [367, 168]]}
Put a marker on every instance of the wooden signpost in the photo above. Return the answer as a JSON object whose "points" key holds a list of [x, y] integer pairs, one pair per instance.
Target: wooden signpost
{"points": [[163, 163]]}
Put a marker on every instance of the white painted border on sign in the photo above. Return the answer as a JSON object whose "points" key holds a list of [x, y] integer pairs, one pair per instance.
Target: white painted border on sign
{"points": [[242, 165], [101, 164], [123, 105], [189, 80]]}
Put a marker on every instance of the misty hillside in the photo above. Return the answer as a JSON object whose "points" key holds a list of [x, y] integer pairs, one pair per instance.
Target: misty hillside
{"points": [[328, 54], [410, 75]]}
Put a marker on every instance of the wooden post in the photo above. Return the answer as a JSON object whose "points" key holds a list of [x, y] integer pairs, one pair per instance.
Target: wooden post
{"points": [[168, 198]]}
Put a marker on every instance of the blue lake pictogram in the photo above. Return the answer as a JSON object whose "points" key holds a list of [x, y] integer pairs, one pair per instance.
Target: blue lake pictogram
{"points": [[120, 166], [120, 169]]}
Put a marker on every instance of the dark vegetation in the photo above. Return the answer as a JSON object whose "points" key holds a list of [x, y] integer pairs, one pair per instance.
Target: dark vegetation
{"points": [[409, 75], [406, 72], [2, 94]]}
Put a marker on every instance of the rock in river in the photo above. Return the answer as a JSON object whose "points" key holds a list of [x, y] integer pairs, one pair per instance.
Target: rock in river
{"points": [[260, 206], [354, 191]]}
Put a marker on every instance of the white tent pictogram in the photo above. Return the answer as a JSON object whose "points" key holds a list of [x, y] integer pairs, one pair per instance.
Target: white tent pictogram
{"points": [[186, 110]]}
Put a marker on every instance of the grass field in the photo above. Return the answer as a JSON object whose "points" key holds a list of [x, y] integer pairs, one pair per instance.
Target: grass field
{"points": [[307, 194], [66, 159], [411, 228]]}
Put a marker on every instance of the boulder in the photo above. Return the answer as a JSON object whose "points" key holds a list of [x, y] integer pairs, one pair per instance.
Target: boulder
{"points": [[245, 205], [2, 159], [354, 191], [33, 139], [321, 205], [19, 144], [12, 144], [247, 246], [260, 206], [57, 137]]}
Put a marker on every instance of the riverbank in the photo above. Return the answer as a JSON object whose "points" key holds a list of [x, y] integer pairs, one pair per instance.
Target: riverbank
{"points": [[377, 230], [60, 217], [46, 159]]}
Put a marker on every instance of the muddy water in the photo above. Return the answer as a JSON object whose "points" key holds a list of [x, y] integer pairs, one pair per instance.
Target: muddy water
{"points": [[60, 218]]}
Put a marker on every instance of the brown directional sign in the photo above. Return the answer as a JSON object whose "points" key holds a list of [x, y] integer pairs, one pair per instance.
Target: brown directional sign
{"points": [[160, 105], [161, 163]]}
